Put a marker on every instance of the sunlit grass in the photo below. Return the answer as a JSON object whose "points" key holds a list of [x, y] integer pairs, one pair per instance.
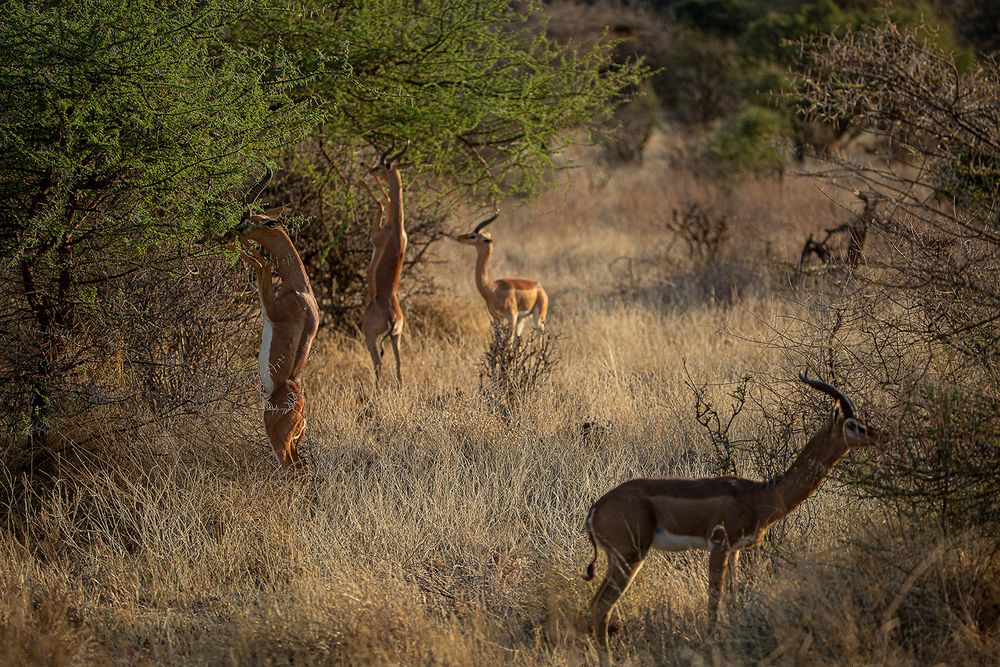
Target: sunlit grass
{"points": [[431, 527]]}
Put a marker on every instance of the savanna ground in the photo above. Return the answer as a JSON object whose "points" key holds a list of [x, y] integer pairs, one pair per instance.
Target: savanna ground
{"points": [[435, 526]]}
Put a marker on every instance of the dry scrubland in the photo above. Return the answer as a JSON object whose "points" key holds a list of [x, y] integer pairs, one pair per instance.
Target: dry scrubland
{"points": [[431, 529]]}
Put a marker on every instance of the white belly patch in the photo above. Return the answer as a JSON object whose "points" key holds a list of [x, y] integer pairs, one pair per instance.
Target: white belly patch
{"points": [[665, 540], [265, 355]]}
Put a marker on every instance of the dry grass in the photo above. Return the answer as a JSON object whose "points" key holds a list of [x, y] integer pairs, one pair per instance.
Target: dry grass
{"points": [[429, 530]]}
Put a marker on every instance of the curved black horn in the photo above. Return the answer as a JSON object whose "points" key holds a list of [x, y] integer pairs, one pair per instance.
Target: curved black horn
{"points": [[397, 155], [254, 192], [487, 221], [845, 403], [382, 159]]}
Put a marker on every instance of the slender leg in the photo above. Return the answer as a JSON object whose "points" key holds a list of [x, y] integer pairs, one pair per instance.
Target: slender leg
{"points": [[298, 436], [512, 324], [395, 350], [252, 259], [520, 325], [265, 287], [541, 310], [249, 253], [617, 579], [285, 424], [293, 454], [381, 187], [539, 322], [372, 344], [371, 325], [717, 562], [290, 455], [733, 569], [378, 202], [265, 283]]}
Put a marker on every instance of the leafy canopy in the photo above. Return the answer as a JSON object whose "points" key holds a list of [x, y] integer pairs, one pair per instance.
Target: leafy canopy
{"points": [[478, 89], [123, 119]]}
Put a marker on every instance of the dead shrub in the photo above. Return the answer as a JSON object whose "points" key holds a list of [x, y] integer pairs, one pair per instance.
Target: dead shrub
{"points": [[513, 370], [715, 271], [703, 230]]}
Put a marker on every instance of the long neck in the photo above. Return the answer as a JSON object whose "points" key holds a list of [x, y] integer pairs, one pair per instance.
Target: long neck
{"points": [[396, 203], [285, 258], [483, 282], [389, 259], [823, 451]]}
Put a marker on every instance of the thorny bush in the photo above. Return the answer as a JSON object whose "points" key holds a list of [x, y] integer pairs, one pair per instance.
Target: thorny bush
{"points": [[511, 371], [915, 329]]}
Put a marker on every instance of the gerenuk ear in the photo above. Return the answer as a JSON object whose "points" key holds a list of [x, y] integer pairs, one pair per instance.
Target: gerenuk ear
{"points": [[834, 415]]}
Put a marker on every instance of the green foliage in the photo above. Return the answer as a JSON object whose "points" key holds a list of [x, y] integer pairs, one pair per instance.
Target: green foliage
{"points": [[746, 143], [478, 89], [768, 85], [128, 126], [122, 120], [132, 127]]}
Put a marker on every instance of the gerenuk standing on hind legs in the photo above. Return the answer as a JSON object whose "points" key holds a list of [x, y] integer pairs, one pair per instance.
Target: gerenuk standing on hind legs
{"points": [[291, 319], [383, 313]]}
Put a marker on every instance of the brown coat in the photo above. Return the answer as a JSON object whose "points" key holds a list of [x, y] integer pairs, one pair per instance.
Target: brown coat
{"points": [[290, 321]]}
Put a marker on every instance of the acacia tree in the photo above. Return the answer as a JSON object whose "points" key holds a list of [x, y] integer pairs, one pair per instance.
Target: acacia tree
{"points": [[128, 126], [478, 89], [479, 92]]}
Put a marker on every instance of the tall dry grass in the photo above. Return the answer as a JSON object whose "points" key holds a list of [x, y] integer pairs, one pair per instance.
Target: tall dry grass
{"points": [[431, 529]]}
